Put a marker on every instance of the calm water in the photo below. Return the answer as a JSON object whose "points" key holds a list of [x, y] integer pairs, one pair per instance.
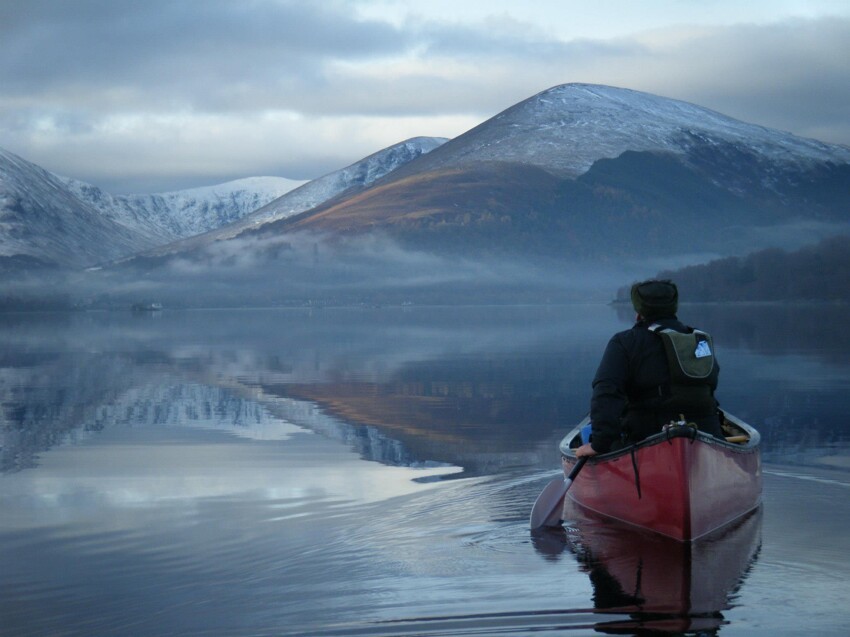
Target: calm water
{"points": [[371, 472]]}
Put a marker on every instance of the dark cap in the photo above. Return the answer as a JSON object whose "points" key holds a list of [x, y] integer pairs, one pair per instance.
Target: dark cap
{"points": [[655, 298]]}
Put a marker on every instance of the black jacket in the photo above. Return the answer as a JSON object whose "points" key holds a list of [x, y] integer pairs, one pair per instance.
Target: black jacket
{"points": [[630, 387]]}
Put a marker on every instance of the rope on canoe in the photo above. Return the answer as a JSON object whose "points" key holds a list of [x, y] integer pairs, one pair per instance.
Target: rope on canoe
{"points": [[637, 473]]}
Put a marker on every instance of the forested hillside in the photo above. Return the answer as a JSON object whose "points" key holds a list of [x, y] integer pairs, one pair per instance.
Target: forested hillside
{"points": [[818, 272]]}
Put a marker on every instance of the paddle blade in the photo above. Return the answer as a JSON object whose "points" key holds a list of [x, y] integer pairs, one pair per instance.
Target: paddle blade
{"points": [[549, 504], [547, 508]]}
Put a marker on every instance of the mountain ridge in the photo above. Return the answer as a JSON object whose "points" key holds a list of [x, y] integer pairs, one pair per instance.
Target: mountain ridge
{"points": [[568, 127], [52, 220], [316, 193], [555, 198], [42, 220], [639, 163]]}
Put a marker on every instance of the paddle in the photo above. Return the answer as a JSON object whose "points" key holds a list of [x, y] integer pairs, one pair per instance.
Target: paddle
{"points": [[551, 496]]}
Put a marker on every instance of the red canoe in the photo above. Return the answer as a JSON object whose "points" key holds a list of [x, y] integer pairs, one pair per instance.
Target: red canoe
{"points": [[681, 482]]}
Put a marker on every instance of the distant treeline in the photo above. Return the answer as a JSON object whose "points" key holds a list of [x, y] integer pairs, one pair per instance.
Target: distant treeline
{"points": [[31, 303], [819, 272]]}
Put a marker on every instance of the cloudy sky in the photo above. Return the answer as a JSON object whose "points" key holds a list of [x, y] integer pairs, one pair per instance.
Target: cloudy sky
{"points": [[167, 94]]}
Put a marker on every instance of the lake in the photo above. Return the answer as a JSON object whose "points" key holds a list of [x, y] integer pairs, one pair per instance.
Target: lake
{"points": [[370, 471]]}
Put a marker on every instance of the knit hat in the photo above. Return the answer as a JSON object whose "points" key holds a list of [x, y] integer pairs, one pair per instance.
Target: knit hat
{"points": [[655, 298]]}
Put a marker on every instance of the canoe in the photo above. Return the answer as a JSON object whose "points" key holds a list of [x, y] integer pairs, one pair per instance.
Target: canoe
{"points": [[681, 483]]}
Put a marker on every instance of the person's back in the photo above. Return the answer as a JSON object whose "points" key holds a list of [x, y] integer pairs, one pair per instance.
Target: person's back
{"points": [[633, 396]]}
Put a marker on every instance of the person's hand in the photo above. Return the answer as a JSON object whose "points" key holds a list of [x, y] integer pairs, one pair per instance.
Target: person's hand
{"points": [[585, 450]]}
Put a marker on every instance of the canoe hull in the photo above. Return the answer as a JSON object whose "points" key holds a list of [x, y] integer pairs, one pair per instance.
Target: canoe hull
{"points": [[683, 484]]}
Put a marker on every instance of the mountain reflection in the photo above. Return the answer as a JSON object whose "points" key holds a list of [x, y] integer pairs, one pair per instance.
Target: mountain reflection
{"points": [[464, 412], [480, 388]]}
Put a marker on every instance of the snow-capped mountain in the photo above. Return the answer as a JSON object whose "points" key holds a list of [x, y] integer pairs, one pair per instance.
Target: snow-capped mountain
{"points": [[352, 178], [586, 170], [567, 128], [189, 212], [46, 219], [577, 171], [358, 175], [51, 220], [42, 221]]}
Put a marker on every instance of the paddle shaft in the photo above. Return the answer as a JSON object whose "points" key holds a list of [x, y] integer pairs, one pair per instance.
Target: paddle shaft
{"points": [[569, 479]]}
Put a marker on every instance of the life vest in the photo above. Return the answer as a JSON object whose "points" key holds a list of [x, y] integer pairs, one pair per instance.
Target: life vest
{"points": [[691, 360]]}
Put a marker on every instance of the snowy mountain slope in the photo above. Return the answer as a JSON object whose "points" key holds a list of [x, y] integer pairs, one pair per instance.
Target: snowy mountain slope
{"points": [[48, 219], [184, 213], [593, 170], [597, 169], [41, 218], [358, 175], [567, 128], [354, 177]]}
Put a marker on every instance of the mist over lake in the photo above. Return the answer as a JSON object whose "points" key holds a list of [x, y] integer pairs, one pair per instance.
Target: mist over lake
{"points": [[370, 471]]}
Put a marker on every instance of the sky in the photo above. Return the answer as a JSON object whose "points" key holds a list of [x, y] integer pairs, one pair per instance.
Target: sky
{"points": [[164, 95]]}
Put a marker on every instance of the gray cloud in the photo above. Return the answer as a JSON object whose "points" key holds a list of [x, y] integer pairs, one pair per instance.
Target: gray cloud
{"points": [[133, 50], [130, 95]]}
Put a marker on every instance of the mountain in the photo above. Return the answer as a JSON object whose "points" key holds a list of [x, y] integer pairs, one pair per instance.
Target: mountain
{"points": [[357, 176], [43, 222], [348, 180], [49, 221], [185, 213], [597, 172], [560, 197], [566, 129]]}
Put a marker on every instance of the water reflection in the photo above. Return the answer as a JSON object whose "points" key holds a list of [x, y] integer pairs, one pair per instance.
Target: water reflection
{"points": [[403, 388], [482, 388], [663, 585]]}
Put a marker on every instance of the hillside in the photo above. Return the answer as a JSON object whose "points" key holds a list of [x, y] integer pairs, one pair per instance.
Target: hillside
{"points": [[52, 221], [639, 204], [561, 197], [350, 179], [43, 223], [819, 272], [567, 128], [185, 213], [597, 172]]}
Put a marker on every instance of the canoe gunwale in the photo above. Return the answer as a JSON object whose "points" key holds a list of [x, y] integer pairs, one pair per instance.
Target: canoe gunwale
{"points": [[751, 446]]}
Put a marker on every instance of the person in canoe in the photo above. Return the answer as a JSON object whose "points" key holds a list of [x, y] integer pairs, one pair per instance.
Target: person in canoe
{"points": [[659, 371]]}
